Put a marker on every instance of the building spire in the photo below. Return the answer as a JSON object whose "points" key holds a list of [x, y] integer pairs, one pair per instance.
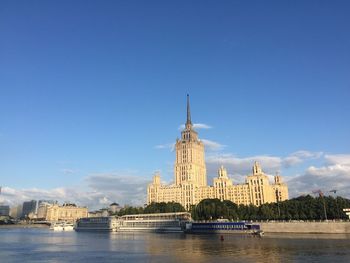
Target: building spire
{"points": [[188, 111]]}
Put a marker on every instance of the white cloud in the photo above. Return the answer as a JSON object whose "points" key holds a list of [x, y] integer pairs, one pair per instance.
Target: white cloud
{"points": [[334, 174], [244, 165], [170, 146], [68, 171], [307, 154], [119, 187], [239, 167], [201, 126], [291, 161], [13, 196], [209, 146], [330, 170], [268, 162], [343, 159], [299, 157], [212, 146], [196, 126], [96, 191]]}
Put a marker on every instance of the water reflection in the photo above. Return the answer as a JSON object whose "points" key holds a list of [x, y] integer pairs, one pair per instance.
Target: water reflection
{"points": [[43, 245], [272, 248]]}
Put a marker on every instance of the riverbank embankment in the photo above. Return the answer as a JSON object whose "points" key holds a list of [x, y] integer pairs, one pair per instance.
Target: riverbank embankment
{"points": [[24, 226], [324, 227]]}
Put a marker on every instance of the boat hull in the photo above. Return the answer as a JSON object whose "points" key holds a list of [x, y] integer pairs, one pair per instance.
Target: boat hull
{"points": [[91, 229], [157, 230], [221, 228], [62, 227]]}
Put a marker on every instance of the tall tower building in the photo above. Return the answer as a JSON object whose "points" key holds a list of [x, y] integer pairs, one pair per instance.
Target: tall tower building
{"points": [[190, 178], [189, 165]]}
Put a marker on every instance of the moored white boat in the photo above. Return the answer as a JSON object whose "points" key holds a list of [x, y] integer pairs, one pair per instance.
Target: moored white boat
{"points": [[223, 227], [158, 222], [62, 226], [104, 224], [161, 222]]}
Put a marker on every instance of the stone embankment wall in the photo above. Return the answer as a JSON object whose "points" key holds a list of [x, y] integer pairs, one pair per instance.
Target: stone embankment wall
{"points": [[306, 227]]}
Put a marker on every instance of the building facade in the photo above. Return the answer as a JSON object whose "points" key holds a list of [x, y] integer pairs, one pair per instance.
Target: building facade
{"points": [[4, 210], [190, 176], [114, 208], [66, 212], [42, 208], [28, 208], [347, 211], [16, 211]]}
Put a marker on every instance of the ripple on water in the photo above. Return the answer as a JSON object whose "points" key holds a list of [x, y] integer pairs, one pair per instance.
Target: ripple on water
{"points": [[43, 245]]}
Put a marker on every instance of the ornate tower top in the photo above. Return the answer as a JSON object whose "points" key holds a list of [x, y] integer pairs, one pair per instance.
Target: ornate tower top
{"points": [[222, 173], [257, 168], [189, 134], [190, 162], [188, 120]]}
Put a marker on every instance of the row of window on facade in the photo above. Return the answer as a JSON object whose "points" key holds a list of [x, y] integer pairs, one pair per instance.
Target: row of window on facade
{"points": [[257, 181]]}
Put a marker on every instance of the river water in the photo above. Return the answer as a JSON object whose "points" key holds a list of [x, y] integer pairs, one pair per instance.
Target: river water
{"points": [[43, 245]]}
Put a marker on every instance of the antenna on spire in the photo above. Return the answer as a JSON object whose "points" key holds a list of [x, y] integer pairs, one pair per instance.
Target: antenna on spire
{"points": [[188, 111]]}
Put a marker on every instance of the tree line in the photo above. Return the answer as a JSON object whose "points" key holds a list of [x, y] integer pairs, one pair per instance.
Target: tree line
{"points": [[152, 208], [300, 208]]}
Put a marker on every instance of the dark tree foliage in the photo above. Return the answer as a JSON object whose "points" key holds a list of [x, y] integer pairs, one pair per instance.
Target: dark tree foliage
{"points": [[300, 208], [129, 210], [164, 208], [152, 208], [210, 209]]}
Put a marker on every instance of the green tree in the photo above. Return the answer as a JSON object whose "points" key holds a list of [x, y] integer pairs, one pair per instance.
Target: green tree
{"points": [[300, 208]]}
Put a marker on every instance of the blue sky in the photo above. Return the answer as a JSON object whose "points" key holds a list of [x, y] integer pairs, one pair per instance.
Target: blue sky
{"points": [[96, 90]]}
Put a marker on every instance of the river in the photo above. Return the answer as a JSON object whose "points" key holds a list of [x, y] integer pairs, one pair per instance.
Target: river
{"points": [[43, 245]]}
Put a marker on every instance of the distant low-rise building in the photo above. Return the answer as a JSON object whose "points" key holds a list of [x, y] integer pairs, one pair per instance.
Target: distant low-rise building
{"points": [[42, 208], [16, 211], [4, 210], [52, 202], [66, 212], [29, 207], [114, 208], [94, 214], [111, 210], [99, 213]]}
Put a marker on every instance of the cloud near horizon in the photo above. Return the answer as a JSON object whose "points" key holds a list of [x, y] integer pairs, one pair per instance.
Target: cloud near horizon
{"points": [[299, 157], [99, 190], [333, 175], [68, 171], [209, 146], [212, 145], [170, 146], [197, 126], [270, 164]]}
